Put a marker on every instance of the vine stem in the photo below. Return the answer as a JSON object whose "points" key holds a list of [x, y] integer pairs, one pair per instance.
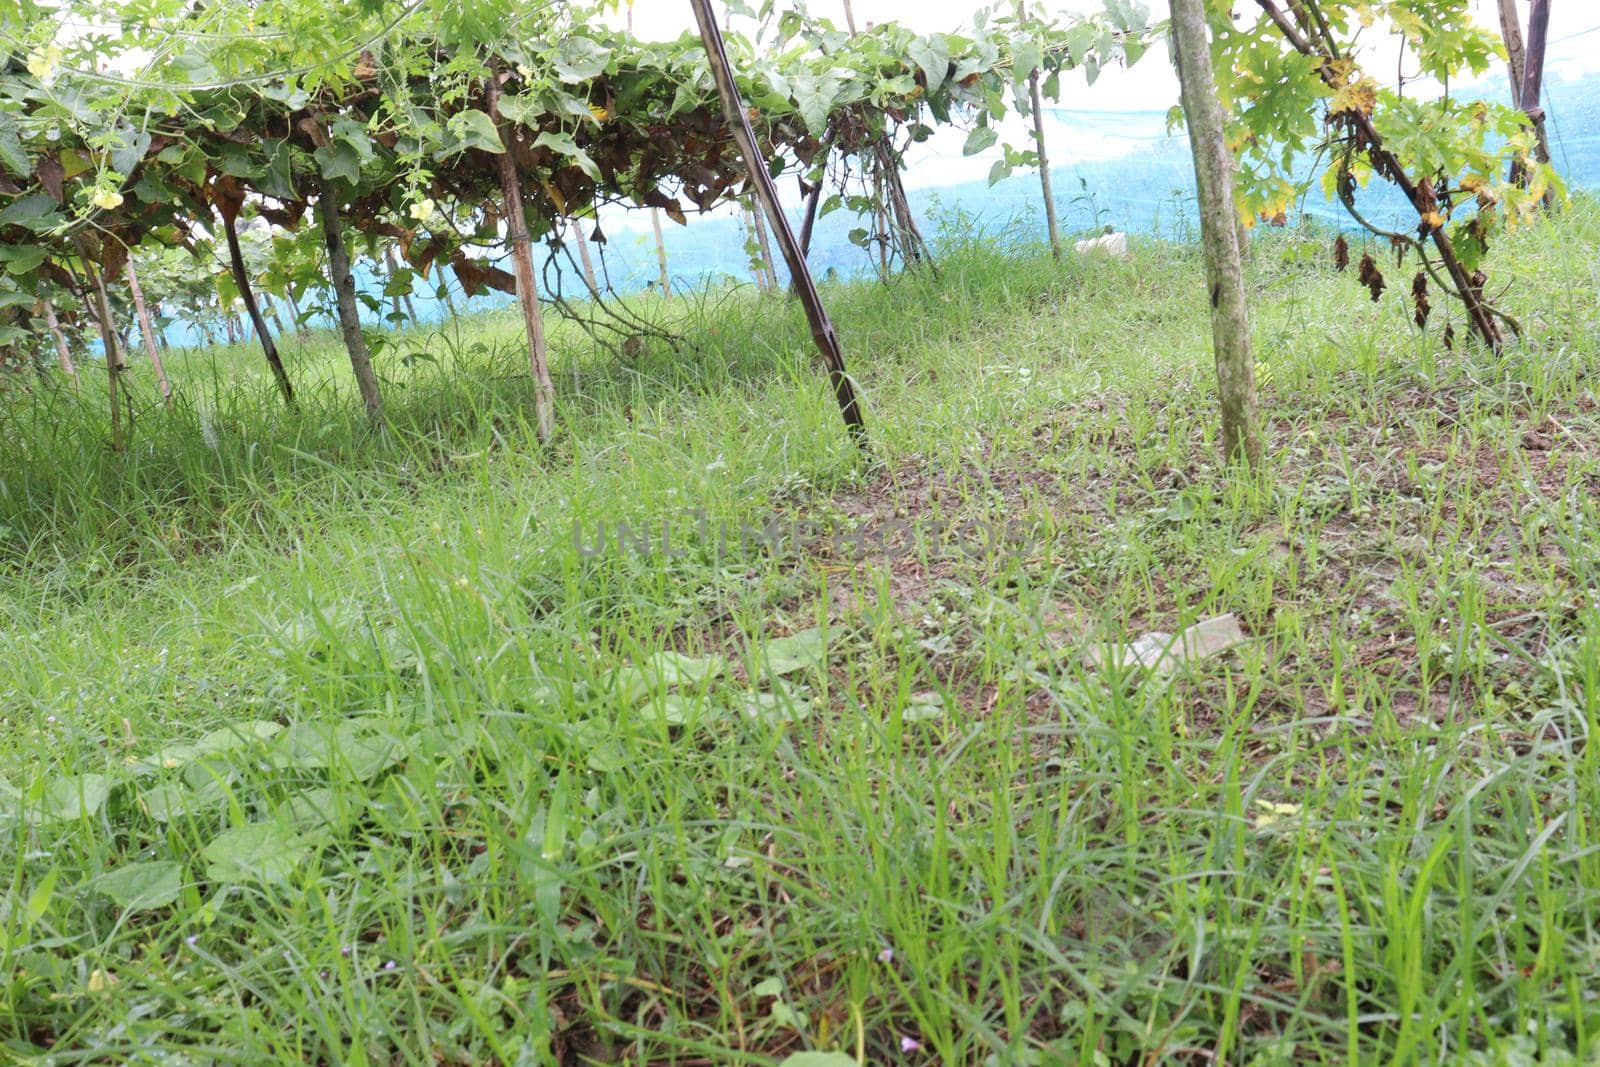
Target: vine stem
{"points": [[1479, 314]]}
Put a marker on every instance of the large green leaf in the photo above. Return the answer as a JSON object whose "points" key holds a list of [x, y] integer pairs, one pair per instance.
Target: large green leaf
{"points": [[143, 886], [11, 153], [564, 144], [264, 852], [33, 211], [339, 162], [932, 54], [474, 129], [73, 797], [578, 59], [980, 139]]}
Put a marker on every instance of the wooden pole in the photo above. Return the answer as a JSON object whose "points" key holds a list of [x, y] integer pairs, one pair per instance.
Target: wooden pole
{"points": [[1044, 156], [1511, 32], [768, 266], [585, 258], [813, 201], [294, 309], [241, 278], [1532, 99], [661, 252], [148, 330], [738, 121], [850, 17], [344, 291], [515, 212], [108, 336], [63, 350], [1213, 171]]}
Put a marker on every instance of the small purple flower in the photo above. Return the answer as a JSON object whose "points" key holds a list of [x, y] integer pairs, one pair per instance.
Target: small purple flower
{"points": [[191, 940], [910, 1044], [886, 956], [391, 965]]}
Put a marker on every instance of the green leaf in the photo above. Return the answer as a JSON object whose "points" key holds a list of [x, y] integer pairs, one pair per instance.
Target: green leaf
{"points": [[474, 129], [563, 143], [32, 211], [22, 259], [76, 797], [980, 139], [815, 97], [171, 801], [819, 1059], [279, 178], [11, 151], [129, 150], [932, 54], [263, 852], [578, 59], [142, 886], [339, 162], [353, 134], [779, 705], [787, 655], [999, 172], [39, 899]]}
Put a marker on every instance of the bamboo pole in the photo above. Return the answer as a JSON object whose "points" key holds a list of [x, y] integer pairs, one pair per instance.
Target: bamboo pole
{"points": [[769, 267], [738, 121], [241, 278], [63, 350], [147, 329], [661, 252], [1531, 100], [585, 258], [516, 216], [1511, 32], [96, 291]]}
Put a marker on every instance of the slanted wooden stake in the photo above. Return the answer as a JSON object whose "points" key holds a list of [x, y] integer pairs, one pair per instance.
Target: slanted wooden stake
{"points": [[147, 329], [96, 292], [661, 252], [516, 216], [344, 291], [229, 210], [1213, 172], [738, 120], [767, 264], [294, 309], [63, 350], [576, 227]]}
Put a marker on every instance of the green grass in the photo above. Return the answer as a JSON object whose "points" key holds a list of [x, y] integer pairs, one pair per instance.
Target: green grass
{"points": [[412, 778]]}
